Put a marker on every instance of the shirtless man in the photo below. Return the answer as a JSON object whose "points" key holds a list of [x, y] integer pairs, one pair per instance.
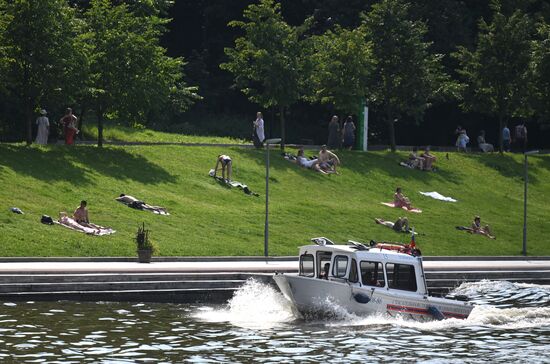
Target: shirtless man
{"points": [[80, 215], [327, 160], [400, 200], [133, 202]]}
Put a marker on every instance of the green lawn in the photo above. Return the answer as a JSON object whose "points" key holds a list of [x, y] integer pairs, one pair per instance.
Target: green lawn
{"points": [[120, 133], [209, 219]]}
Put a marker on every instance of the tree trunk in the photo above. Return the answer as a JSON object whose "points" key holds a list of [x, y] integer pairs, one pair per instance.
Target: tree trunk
{"points": [[81, 120], [282, 116], [28, 117], [99, 127], [500, 136], [391, 129]]}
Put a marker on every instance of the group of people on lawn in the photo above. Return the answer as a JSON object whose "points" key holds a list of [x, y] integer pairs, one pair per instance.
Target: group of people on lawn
{"points": [[68, 122]]}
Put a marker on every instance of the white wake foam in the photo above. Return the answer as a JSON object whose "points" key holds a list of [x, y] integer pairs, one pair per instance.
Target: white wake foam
{"points": [[254, 305]]}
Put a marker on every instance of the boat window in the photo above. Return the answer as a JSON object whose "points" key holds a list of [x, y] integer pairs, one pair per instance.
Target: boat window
{"points": [[306, 265], [401, 276], [353, 276], [323, 258], [372, 273], [340, 266]]}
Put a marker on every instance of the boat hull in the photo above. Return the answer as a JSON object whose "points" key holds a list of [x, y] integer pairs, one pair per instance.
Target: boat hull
{"points": [[318, 296]]}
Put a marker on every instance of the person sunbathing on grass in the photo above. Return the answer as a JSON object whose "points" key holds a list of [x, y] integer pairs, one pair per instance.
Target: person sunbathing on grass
{"points": [[482, 230], [73, 224], [401, 200], [80, 215], [401, 225], [327, 160], [302, 161], [134, 203]]}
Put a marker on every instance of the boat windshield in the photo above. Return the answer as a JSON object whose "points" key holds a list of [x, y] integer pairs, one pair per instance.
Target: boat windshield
{"points": [[401, 276]]}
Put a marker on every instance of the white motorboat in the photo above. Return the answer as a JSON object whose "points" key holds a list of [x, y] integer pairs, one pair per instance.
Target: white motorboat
{"points": [[378, 278]]}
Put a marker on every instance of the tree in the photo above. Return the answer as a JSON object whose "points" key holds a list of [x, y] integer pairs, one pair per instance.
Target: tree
{"points": [[341, 66], [130, 76], [541, 68], [406, 76], [34, 35], [496, 75], [266, 61]]}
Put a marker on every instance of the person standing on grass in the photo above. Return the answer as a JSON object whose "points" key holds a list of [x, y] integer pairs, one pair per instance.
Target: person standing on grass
{"points": [[348, 132], [506, 138], [333, 133], [43, 128], [521, 137], [69, 126], [259, 129]]}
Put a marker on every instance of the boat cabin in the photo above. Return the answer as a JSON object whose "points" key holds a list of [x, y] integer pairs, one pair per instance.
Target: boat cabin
{"points": [[376, 267]]}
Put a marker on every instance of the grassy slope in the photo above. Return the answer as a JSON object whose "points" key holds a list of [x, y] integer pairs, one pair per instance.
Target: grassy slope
{"points": [[209, 219], [127, 134]]}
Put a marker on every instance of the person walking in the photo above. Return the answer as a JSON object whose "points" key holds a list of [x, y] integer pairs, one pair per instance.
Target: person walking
{"points": [[69, 126], [259, 133], [333, 133], [43, 128]]}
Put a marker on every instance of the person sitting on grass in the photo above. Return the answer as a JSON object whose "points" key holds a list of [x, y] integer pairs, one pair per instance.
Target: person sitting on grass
{"points": [[327, 160], [226, 164], [134, 203], [401, 200], [482, 230], [401, 225], [414, 160], [80, 215], [429, 159], [302, 161]]}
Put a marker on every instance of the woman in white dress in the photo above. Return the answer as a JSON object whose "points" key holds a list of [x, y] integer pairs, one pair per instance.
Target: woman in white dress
{"points": [[259, 127], [43, 128]]}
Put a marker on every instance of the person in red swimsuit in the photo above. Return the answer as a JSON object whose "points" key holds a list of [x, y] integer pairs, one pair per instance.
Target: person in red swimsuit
{"points": [[69, 126]]}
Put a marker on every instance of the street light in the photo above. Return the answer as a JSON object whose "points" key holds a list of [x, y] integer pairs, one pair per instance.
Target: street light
{"points": [[525, 201], [268, 142]]}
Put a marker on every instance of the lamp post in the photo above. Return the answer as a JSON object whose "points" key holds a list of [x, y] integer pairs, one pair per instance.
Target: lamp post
{"points": [[268, 142], [525, 177]]}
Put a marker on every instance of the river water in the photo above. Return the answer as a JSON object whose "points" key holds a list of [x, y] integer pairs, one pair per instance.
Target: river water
{"points": [[510, 324]]}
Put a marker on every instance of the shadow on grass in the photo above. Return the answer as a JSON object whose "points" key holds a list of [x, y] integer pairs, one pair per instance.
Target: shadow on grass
{"points": [[62, 163], [506, 165]]}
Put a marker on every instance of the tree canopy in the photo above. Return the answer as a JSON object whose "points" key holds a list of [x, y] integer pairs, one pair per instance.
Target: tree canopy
{"points": [[497, 74]]}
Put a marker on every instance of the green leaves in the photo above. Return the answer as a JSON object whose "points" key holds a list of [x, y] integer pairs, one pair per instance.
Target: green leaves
{"points": [[497, 73]]}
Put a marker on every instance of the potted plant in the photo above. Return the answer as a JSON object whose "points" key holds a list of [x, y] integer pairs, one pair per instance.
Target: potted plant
{"points": [[145, 247]]}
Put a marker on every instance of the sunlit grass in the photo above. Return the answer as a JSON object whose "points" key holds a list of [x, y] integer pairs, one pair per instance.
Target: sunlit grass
{"points": [[209, 219]]}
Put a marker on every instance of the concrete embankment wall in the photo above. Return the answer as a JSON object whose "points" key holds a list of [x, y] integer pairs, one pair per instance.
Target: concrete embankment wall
{"points": [[214, 280]]}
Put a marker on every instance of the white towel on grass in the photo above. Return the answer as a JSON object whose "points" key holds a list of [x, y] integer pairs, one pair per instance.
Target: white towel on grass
{"points": [[438, 196]]}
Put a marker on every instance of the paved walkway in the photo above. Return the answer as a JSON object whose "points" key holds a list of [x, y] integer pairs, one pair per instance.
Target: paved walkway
{"points": [[243, 266]]}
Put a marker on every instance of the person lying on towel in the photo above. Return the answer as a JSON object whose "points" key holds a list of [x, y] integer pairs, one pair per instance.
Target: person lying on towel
{"points": [[87, 228], [134, 203]]}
